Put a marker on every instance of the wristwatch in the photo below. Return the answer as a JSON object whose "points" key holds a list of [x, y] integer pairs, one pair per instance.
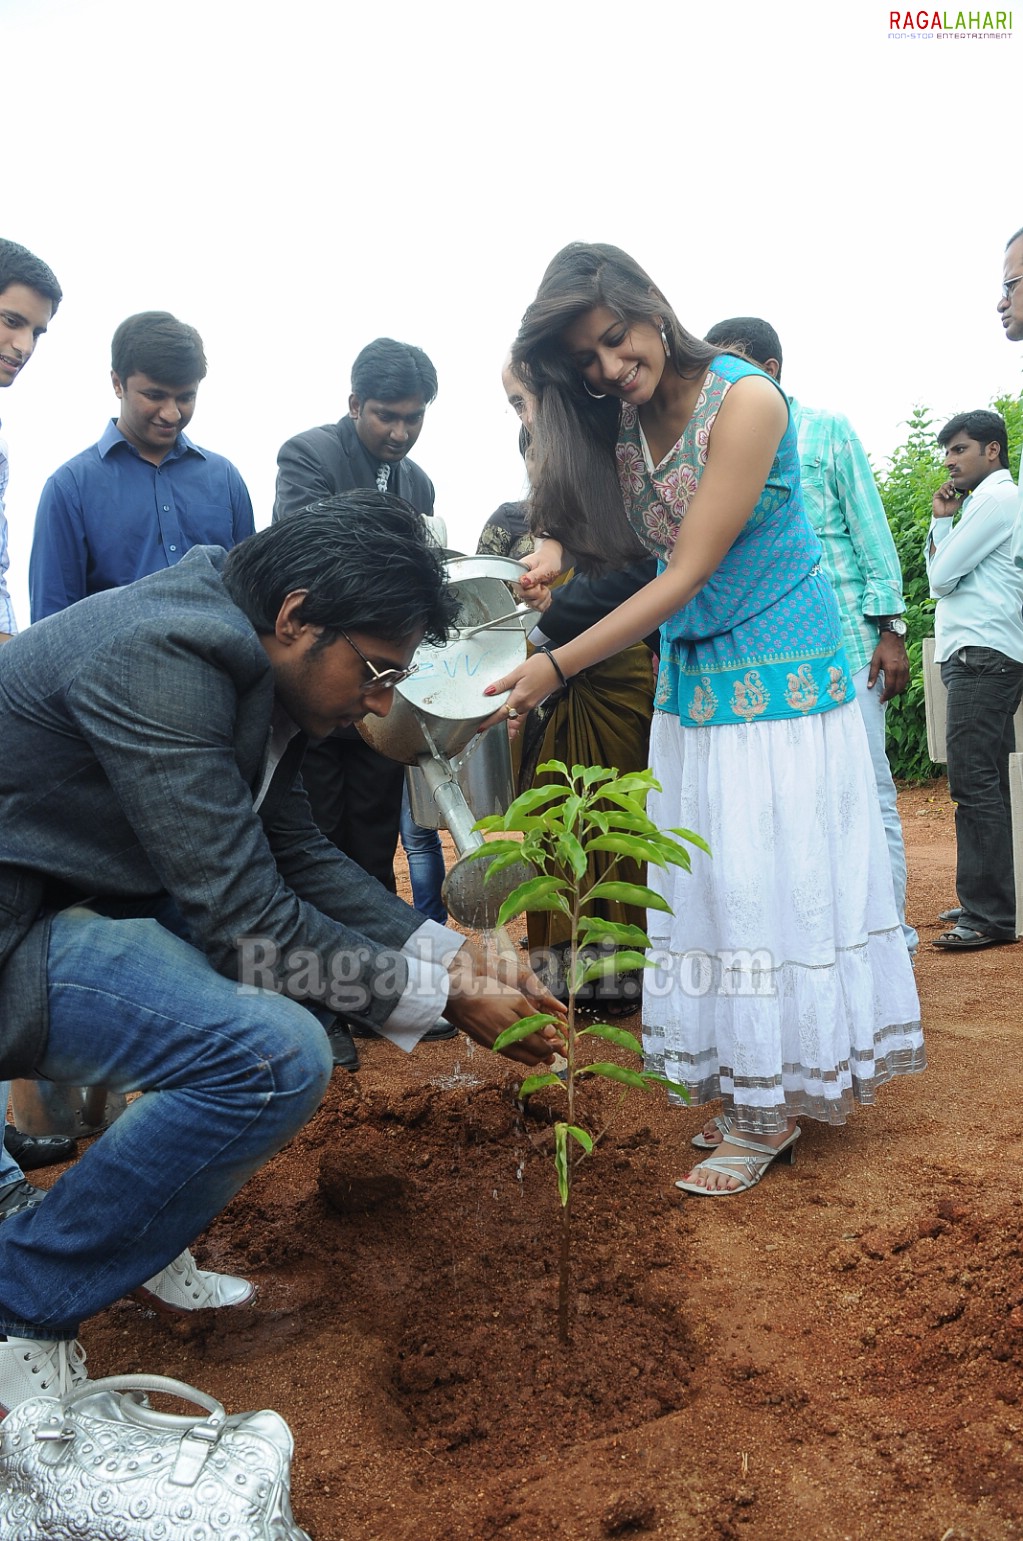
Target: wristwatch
{"points": [[894, 624]]}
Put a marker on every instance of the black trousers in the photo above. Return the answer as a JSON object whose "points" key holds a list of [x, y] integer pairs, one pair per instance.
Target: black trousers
{"points": [[356, 800], [984, 689]]}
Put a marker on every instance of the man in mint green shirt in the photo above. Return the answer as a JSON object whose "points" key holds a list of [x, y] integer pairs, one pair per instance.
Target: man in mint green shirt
{"points": [[845, 509]]}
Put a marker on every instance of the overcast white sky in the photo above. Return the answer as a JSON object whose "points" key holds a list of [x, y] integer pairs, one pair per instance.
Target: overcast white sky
{"points": [[298, 179]]}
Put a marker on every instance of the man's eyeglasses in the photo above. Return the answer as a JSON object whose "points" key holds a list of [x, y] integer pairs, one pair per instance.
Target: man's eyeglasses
{"points": [[382, 679], [1009, 285]]}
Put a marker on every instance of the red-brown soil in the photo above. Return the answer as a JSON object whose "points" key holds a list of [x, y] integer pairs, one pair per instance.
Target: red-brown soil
{"points": [[835, 1355]]}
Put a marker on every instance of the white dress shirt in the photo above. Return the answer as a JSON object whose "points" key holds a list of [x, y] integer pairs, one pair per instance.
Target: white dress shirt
{"points": [[972, 575]]}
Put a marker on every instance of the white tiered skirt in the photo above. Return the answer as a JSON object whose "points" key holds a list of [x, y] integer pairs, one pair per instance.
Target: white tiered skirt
{"points": [[783, 984]]}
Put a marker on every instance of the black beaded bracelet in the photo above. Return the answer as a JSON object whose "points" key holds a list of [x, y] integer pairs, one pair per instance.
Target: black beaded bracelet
{"points": [[556, 666]]}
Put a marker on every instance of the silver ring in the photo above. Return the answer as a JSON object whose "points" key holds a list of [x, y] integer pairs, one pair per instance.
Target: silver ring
{"points": [[512, 714]]}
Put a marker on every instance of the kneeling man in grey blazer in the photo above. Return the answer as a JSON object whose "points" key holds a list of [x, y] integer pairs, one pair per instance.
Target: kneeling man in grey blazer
{"points": [[170, 916]]}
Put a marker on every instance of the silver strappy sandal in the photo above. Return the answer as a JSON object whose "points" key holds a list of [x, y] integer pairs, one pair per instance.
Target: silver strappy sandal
{"points": [[701, 1142], [746, 1170]]}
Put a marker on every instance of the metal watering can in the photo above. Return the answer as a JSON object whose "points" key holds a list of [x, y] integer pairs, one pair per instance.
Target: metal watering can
{"points": [[43, 1107], [434, 725]]}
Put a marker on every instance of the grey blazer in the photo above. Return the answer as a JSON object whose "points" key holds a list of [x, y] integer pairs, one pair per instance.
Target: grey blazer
{"points": [[135, 728]]}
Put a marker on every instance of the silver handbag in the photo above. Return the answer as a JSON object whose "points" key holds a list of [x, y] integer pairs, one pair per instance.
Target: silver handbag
{"points": [[101, 1465]]}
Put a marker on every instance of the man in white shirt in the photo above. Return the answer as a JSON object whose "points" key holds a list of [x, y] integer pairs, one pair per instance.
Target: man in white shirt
{"points": [[1010, 310], [978, 631]]}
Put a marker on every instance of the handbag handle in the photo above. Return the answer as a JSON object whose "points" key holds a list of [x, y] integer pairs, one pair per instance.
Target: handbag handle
{"points": [[198, 1436], [177, 1388]]}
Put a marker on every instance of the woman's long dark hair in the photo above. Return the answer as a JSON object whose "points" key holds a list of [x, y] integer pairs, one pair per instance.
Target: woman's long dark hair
{"points": [[576, 496]]}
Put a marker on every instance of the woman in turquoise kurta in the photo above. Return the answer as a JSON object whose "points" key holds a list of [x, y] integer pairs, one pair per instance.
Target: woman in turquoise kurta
{"points": [[782, 983]]}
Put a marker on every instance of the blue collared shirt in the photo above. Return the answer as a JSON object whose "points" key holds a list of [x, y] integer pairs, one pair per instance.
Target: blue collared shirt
{"points": [[107, 517]]}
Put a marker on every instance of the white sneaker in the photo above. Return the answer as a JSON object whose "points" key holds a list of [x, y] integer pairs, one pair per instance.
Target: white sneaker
{"points": [[181, 1286], [32, 1367]]}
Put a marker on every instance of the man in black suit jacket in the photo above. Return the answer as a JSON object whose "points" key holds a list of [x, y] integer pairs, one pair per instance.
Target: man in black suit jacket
{"points": [[392, 386], [356, 793]]}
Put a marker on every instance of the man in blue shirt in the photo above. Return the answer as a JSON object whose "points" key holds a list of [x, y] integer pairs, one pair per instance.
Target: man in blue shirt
{"points": [[139, 499], [978, 641]]}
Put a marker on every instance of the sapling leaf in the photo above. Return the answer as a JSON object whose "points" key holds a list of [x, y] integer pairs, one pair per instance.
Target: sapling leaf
{"points": [[638, 781], [677, 855], [614, 1073], [571, 854], [541, 822], [569, 814], [522, 1029], [627, 804], [556, 767], [619, 1035], [542, 893], [594, 928], [629, 845], [637, 822], [591, 775], [535, 797], [629, 893], [581, 1137], [615, 963], [671, 1086], [490, 821], [494, 848], [533, 1083], [561, 1162], [692, 838]]}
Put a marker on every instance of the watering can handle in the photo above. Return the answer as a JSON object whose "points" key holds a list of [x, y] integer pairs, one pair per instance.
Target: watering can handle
{"points": [[515, 615]]}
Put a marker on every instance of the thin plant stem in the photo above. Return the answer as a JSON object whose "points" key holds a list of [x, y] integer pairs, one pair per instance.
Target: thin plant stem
{"points": [[565, 1247]]}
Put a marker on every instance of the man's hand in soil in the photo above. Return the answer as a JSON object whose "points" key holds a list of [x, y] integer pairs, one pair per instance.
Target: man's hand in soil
{"points": [[483, 1005]]}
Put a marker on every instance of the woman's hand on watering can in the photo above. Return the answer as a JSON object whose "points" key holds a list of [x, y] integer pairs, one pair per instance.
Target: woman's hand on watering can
{"points": [[529, 684], [542, 566]]}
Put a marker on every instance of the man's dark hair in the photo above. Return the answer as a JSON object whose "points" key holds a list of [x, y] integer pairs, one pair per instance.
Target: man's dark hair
{"points": [[156, 344], [19, 266], [1015, 237], [750, 335], [386, 370], [985, 426], [366, 559]]}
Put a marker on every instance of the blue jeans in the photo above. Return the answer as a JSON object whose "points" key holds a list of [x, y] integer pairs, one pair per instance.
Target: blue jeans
{"points": [[984, 688], [873, 714], [425, 864], [10, 1171], [228, 1078]]}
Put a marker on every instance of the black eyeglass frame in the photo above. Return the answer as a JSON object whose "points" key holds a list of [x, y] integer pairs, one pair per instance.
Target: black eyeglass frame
{"points": [[382, 679]]}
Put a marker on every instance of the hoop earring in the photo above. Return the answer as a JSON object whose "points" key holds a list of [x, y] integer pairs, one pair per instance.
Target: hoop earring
{"points": [[594, 395], [667, 345]]}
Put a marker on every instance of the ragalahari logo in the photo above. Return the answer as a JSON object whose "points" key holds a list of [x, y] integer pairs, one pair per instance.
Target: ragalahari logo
{"points": [[988, 26]]}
